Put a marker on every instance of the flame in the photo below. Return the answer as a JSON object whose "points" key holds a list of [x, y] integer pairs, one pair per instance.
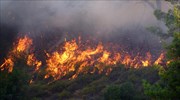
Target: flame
{"points": [[77, 57], [91, 60], [8, 64], [147, 62], [23, 44], [32, 61], [31, 81], [169, 61], [159, 60], [22, 47], [105, 57]]}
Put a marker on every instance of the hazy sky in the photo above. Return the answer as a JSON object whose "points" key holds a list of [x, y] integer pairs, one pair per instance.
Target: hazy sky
{"points": [[123, 21], [103, 16]]}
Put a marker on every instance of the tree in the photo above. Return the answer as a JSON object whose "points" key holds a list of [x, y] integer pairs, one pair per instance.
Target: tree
{"points": [[125, 91], [171, 20], [13, 84], [168, 87]]}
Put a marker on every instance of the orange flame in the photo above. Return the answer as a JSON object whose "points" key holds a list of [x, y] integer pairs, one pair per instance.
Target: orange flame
{"points": [[23, 44], [77, 58], [147, 62], [32, 61], [159, 60], [61, 63], [8, 64]]}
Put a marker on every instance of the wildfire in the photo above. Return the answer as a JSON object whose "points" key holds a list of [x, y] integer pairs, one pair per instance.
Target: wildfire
{"points": [[76, 57], [23, 44], [159, 60], [22, 47], [32, 61], [8, 64]]}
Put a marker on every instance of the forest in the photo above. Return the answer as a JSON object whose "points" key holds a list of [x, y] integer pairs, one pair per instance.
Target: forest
{"points": [[72, 66]]}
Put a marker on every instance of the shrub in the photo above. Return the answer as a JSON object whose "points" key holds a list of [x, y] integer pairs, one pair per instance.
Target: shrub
{"points": [[124, 91]]}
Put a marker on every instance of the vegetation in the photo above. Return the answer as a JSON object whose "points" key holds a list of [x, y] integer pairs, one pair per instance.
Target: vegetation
{"points": [[88, 86], [95, 86], [124, 91], [13, 85], [155, 82], [168, 87]]}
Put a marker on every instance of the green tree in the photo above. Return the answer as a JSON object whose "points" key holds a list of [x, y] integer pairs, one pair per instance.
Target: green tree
{"points": [[171, 20], [125, 91], [168, 87], [13, 84]]}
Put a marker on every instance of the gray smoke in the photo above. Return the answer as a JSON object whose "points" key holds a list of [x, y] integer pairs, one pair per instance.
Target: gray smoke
{"points": [[103, 16], [107, 19]]}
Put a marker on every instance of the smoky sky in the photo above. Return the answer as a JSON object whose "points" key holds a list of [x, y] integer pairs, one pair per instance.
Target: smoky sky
{"points": [[97, 16], [123, 21]]}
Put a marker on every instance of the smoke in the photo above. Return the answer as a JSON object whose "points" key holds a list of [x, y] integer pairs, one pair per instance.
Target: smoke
{"points": [[104, 16], [121, 21]]}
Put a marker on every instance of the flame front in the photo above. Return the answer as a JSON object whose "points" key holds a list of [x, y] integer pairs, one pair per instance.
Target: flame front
{"points": [[73, 59], [22, 48], [76, 57]]}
